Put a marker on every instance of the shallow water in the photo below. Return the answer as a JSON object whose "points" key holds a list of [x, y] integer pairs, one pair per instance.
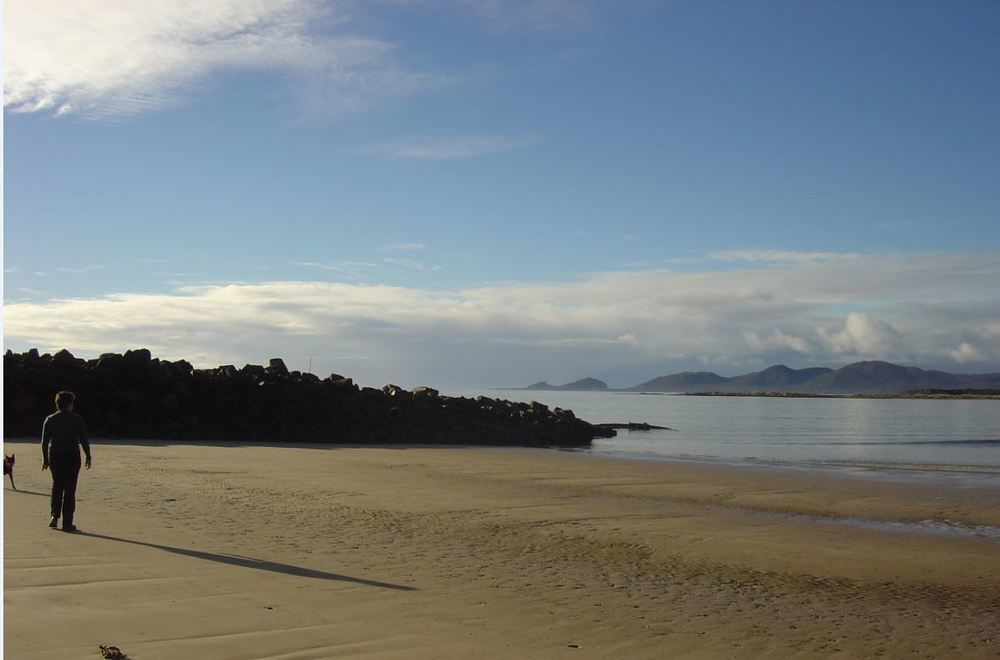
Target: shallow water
{"points": [[954, 437]]}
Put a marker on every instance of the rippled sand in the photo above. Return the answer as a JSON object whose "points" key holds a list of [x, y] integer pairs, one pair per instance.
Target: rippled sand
{"points": [[199, 551]]}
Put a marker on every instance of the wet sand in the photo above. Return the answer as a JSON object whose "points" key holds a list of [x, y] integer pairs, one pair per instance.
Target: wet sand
{"points": [[194, 550]]}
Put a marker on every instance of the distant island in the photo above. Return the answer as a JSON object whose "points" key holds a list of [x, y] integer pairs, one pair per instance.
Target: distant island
{"points": [[582, 385], [858, 378]]}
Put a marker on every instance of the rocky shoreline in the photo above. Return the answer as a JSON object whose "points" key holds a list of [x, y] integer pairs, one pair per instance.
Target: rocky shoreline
{"points": [[134, 395]]}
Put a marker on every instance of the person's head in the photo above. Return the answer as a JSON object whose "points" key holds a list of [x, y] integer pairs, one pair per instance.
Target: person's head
{"points": [[65, 401]]}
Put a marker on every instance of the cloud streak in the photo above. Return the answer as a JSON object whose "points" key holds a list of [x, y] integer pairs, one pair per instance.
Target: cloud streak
{"points": [[545, 15], [933, 310], [336, 265], [109, 59], [411, 263], [80, 270], [404, 247], [446, 148]]}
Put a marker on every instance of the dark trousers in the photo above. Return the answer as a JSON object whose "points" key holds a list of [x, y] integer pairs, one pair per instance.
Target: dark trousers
{"points": [[65, 470]]}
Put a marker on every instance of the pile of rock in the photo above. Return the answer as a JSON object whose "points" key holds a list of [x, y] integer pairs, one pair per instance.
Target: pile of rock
{"points": [[137, 396]]}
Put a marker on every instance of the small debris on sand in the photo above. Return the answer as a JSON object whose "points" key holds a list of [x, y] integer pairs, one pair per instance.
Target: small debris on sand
{"points": [[112, 652]]}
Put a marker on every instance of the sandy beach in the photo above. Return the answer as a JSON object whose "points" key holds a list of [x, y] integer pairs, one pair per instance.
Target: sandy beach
{"points": [[207, 551]]}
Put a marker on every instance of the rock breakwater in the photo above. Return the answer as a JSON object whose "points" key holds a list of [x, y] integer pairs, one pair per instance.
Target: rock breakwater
{"points": [[134, 395]]}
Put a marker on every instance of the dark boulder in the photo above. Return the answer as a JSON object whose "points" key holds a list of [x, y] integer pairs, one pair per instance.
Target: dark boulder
{"points": [[276, 367], [110, 362], [396, 392], [182, 368], [64, 360], [254, 371], [424, 391], [139, 356]]}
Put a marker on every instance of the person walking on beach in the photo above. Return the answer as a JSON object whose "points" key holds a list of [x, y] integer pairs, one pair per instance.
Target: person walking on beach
{"points": [[63, 433]]}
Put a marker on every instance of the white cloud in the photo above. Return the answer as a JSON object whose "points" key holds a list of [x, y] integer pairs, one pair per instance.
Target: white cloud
{"points": [[966, 353], [776, 341], [118, 58], [931, 310], [862, 335], [446, 148]]}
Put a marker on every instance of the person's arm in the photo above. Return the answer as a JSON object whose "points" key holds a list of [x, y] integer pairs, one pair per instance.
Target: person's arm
{"points": [[46, 436], [84, 442]]}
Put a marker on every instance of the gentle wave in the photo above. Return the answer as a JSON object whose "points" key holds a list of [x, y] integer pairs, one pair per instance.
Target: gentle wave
{"points": [[971, 443], [947, 528], [933, 467], [984, 469]]}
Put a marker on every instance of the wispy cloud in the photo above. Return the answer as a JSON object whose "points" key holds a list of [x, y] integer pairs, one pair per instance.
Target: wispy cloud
{"points": [[404, 247], [534, 14], [339, 266], [117, 58], [519, 15], [932, 310], [896, 225], [410, 263], [177, 274], [782, 257], [80, 270], [446, 148]]}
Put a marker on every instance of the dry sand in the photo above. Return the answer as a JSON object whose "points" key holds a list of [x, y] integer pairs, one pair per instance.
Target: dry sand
{"points": [[201, 551]]}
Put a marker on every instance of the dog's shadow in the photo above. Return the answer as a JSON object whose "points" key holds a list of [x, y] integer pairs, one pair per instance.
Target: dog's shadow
{"points": [[259, 564]]}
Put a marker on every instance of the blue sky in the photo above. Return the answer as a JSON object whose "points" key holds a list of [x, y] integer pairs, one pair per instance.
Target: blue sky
{"points": [[477, 192]]}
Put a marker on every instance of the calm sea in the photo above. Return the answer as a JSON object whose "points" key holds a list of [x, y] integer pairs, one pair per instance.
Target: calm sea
{"points": [[950, 436]]}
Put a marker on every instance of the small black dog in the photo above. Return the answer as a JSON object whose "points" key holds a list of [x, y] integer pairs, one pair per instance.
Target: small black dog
{"points": [[8, 468]]}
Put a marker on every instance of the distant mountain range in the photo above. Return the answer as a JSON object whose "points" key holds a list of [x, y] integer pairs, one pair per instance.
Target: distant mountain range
{"points": [[872, 377]]}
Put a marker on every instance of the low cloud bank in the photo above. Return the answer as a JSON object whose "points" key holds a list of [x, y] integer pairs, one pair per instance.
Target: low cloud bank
{"points": [[933, 310]]}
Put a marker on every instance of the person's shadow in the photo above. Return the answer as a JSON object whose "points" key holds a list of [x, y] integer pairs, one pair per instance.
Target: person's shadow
{"points": [[26, 492], [259, 564]]}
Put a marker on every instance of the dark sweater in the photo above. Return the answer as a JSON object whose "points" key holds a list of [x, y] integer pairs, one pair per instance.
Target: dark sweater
{"points": [[64, 431]]}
